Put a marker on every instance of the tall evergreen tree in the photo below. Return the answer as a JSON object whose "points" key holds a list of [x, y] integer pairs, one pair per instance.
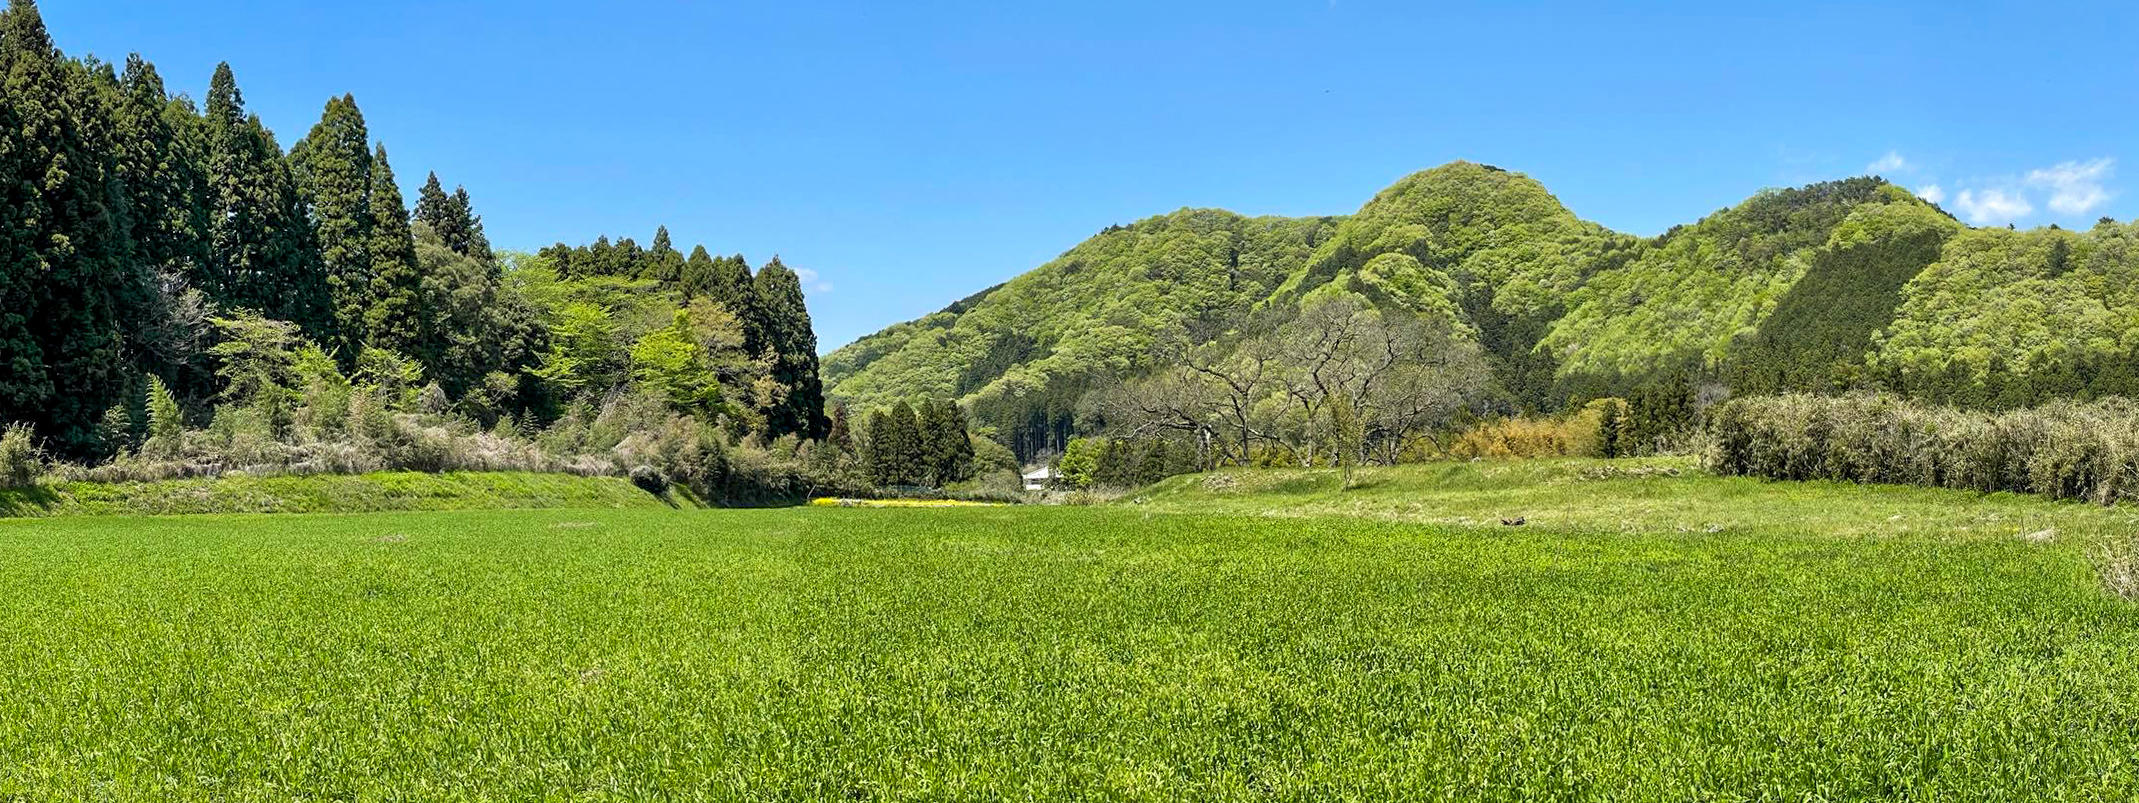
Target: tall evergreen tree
{"points": [[394, 320], [947, 451], [787, 336], [434, 207], [333, 170], [472, 242], [453, 218], [24, 383], [697, 277], [162, 173], [895, 449], [66, 203], [663, 262], [262, 251]]}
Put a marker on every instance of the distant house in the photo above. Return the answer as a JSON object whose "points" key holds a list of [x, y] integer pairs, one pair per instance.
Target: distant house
{"points": [[1038, 479]]}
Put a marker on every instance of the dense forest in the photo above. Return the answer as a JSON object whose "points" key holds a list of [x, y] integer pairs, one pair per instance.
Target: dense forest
{"points": [[1843, 285], [180, 295]]}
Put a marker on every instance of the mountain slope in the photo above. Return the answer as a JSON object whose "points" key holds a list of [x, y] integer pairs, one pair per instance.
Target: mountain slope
{"points": [[2013, 317], [1695, 291], [1491, 247], [1841, 284], [1022, 354]]}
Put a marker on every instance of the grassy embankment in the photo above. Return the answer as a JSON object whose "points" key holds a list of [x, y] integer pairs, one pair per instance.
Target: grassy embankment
{"points": [[1644, 636], [366, 493]]}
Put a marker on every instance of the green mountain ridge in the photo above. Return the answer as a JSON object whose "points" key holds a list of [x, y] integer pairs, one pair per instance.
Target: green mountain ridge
{"points": [[1840, 284]]}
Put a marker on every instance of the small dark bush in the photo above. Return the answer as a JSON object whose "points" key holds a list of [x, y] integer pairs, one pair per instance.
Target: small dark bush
{"points": [[650, 480]]}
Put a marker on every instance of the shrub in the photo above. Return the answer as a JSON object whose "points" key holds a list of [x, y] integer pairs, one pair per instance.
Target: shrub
{"points": [[2064, 450], [21, 462], [1576, 434]]}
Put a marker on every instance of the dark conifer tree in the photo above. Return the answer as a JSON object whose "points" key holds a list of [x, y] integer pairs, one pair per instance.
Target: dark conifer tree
{"points": [[394, 319], [840, 435], [333, 170], [472, 242], [697, 278], [601, 258], [731, 283], [787, 335], [663, 262], [262, 254], [434, 207], [70, 263], [161, 169], [453, 219], [947, 449], [896, 453]]}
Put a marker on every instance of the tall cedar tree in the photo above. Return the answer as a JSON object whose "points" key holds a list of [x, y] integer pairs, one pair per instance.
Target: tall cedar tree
{"points": [[664, 263], [453, 218], [434, 208], [895, 448], [395, 318], [473, 242], [788, 337], [333, 170], [698, 275], [161, 168], [947, 449], [840, 436], [263, 254], [68, 254]]}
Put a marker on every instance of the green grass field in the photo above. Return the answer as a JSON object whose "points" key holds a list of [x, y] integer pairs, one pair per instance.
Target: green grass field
{"points": [[1245, 636]]}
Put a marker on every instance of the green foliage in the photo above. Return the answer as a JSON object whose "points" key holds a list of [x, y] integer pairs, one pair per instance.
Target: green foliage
{"points": [[1821, 331], [1022, 356], [454, 220], [263, 254], [1690, 294], [355, 493], [1079, 466], [2010, 318], [395, 319], [333, 167], [69, 278], [1612, 438], [669, 362], [897, 452], [946, 447], [785, 336]]}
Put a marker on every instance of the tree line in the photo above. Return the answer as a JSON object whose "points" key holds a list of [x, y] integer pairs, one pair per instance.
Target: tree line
{"points": [[165, 263]]}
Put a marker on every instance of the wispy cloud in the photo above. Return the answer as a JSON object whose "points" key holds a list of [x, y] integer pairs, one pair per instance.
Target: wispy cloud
{"points": [[1890, 163], [2067, 189], [1990, 206], [2075, 187], [812, 282]]}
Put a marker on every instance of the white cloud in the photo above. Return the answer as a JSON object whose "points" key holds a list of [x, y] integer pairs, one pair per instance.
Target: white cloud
{"points": [[1933, 193], [1992, 206], [2075, 187], [1889, 163], [811, 282]]}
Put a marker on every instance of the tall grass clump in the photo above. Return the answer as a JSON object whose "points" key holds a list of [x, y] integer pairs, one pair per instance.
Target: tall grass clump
{"points": [[1581, 433], [21, 461], [2063, 450]]}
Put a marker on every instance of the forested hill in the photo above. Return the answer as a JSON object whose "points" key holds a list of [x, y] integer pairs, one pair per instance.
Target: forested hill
{"points": [[179, 291], [1852, 283]]}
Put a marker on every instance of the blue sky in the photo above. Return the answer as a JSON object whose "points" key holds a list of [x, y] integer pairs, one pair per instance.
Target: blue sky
{"points": [[909, 154]]}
